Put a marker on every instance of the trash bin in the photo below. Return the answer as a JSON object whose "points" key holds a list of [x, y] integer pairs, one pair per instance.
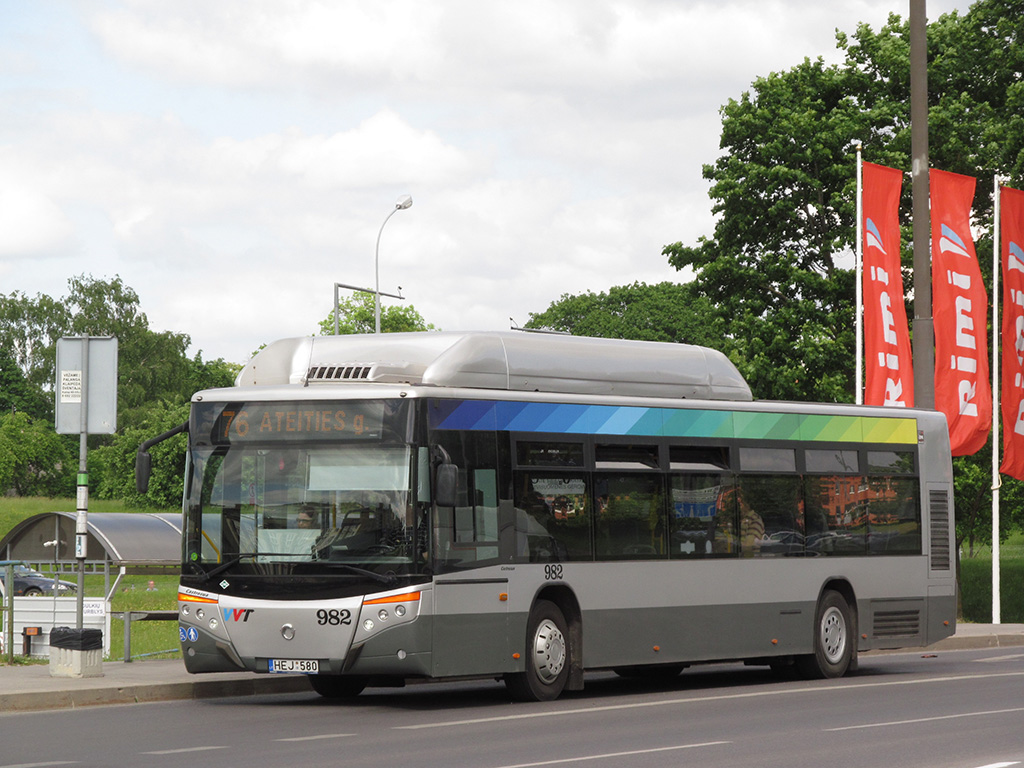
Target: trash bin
{"points": [[76, 652]]}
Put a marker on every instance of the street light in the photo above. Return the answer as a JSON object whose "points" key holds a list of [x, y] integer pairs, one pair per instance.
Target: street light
{"points": [[404, 202]]}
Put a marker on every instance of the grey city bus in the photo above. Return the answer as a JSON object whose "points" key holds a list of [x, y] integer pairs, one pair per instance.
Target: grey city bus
{"points": [[366, 510]]}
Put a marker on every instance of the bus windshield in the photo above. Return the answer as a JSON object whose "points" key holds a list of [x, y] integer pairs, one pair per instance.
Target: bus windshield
{"points": [[278, 508]]}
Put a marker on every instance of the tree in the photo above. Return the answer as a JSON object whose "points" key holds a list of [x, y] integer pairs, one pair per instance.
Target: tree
{"points": [[16, 394], [357, 314], [36, 460], [784, 186], [29, 329], [663, 312], [770, 271], [155, 377], [113, 465]]}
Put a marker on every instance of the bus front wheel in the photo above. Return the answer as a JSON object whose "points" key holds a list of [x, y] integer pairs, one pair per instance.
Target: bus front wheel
{"points": [[547, 656], [834, 642]]}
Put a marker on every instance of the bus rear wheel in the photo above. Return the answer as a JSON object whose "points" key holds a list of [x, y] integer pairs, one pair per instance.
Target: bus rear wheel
{"points": [[337, 686], [834, 642], [547, 656]]}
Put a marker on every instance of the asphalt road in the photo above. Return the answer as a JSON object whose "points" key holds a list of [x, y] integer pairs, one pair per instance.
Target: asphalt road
{"points": [[957, 708]]}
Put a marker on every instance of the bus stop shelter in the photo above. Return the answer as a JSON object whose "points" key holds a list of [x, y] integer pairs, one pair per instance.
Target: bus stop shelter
{"points": [[119, 544]]}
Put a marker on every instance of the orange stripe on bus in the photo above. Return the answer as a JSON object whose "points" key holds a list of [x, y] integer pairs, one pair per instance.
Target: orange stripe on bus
{"points": [[408, 597]]}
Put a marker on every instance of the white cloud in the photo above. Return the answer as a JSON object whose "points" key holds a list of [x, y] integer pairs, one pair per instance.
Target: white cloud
{"points": [[31, 224]]}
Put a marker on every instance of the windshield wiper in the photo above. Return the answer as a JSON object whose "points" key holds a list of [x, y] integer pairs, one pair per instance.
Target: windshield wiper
{"points": [[383, 578], [207, 575]]}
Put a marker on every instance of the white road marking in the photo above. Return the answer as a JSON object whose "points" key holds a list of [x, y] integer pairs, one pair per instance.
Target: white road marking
{"points": [[181, 751], [609, 755], [1000, 658], [999, 765], [928, 719], [315, 738], [831, 690]]}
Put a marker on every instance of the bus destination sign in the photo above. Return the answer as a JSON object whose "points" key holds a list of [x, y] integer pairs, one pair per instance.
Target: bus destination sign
{"points": [[257, 422]]}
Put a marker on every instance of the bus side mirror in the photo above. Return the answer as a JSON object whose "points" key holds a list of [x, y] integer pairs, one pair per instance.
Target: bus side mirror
{"points": [[446, 485], [143, 469]]}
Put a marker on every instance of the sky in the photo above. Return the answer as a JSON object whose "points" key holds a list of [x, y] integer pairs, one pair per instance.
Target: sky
{"points": [[232, 160]]}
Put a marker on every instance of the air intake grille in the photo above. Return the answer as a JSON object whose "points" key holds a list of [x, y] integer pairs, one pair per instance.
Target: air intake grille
{"points": [[938, 515], [339, 373], [897, 623]]}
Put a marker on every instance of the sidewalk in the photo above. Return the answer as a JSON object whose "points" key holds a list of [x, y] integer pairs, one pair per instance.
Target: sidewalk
{"points": [[31, 688]]}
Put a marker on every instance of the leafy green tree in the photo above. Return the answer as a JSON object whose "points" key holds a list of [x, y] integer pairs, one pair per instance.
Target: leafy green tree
{"points": [[778, 266], [29, 329], [209, 374], [36, 460], [112, 466], [770, 271], [662, 312], [356, 314], [16, 394], [155, 377]]}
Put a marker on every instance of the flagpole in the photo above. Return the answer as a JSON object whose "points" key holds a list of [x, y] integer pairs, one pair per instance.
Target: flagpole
{"points": [[996, 481], [859, 317]]}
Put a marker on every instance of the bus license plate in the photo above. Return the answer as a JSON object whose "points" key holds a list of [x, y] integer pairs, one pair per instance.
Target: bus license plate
{"points": [[295, 666]]}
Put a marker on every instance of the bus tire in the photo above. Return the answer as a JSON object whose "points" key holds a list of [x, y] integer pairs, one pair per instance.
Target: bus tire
{"points": [[834, 641], [338, 686], [547, 656]]}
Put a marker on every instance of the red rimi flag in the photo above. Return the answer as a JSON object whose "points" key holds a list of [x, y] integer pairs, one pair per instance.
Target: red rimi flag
{"points": [[959, 309], [1011, 224], [889, 374]]}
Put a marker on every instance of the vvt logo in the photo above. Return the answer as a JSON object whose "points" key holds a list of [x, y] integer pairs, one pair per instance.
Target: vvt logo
{"points": [[237, 614]]}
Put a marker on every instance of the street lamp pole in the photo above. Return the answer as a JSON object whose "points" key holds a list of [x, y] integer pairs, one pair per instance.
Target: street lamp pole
{"points": [[403, 202]]}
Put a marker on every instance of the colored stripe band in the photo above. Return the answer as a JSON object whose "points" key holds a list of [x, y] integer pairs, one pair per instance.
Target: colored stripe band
{"points": [[577, 419]]}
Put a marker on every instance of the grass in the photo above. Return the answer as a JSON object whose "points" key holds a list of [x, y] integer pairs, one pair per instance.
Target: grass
{"points": [[976, 583]]}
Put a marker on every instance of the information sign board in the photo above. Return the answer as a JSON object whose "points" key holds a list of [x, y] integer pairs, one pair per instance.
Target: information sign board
{"points": [[86, 368]]}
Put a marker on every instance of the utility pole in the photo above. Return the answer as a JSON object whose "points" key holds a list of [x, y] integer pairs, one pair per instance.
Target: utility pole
{"points": [[924, 333]]}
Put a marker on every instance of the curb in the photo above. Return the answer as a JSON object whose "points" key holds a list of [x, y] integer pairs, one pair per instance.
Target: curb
{"points": [[31, 701], [978, 641]]}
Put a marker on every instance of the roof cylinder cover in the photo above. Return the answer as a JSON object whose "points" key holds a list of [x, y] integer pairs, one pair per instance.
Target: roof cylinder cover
{"points": [[502, 360]]}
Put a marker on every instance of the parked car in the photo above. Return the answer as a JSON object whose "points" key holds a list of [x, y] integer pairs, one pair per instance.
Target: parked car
{"points": [[28, 582]]}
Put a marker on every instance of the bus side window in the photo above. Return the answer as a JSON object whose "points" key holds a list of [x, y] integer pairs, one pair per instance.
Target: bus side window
{"points": [[695, 510], [770, 515], [552, 517], [894, 521], [630, 523]]}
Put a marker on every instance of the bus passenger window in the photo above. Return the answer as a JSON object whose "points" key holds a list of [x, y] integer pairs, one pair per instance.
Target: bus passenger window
{"points": [[836, 514], [771, 515], [700, 524], [630, 523], [552, 517], [894, 523]]}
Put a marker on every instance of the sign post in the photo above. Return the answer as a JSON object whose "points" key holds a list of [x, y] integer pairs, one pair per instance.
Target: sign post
{"points": [[86, 404]]}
